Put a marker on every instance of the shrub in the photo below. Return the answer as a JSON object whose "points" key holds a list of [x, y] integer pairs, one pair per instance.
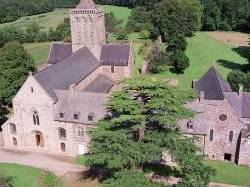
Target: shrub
{"points": [[6, 181], [49, 179], [180, 61]]}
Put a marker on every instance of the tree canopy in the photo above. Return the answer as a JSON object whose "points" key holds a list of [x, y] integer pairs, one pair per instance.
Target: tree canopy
{"points": [[143, 124], [15, 64]]}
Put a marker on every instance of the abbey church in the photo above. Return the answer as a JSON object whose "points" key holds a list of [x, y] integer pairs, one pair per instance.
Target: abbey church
{"points": [[57, 106]]}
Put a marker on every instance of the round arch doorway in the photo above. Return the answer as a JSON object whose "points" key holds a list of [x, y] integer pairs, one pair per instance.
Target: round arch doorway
{"points": [[39, 141]]}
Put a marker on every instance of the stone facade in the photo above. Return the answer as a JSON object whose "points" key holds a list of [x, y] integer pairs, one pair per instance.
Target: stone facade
{"points": [[218, 122], [56, 108]]}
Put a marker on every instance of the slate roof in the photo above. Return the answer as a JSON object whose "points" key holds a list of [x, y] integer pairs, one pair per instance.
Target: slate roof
{"points": [[115, 54], [245, 107], [86, 4], [81, 103], [100, 84], [69, 71], [213, 85], [59, 51]]}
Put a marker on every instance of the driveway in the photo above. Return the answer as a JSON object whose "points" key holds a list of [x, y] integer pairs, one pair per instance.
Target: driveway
{"points": [[60, 165]]}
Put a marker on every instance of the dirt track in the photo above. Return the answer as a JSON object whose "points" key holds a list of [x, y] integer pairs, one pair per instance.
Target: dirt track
{"points": [[232, 38]]}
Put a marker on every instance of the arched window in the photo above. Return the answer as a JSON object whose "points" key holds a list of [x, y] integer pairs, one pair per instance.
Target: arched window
{"points": [[80, 131], [62, 133], [231, 136], [211, 135], [12, 128], [36, 120]]}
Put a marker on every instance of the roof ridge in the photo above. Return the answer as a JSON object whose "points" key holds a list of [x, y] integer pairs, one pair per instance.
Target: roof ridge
{"points": [[217, 78], [75, 53]]}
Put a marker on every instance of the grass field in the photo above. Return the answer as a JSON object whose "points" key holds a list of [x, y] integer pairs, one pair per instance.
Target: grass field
{"points": [[230, 173], [24, 176], [204, 52], [45, 21], [52, 19], [38, 51]]}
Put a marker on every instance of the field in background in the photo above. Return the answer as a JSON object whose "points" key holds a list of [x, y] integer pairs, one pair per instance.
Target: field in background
{"points": [[52, 19], [38, 51], [205, 51], [229, 173], [45, 21], [24, 176]]}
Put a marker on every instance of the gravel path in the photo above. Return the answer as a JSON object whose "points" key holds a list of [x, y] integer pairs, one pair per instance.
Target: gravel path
{"points": [[60, 165], [221, 185]]}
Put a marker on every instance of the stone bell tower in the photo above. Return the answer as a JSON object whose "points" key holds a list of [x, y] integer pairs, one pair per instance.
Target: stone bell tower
{"points": [[88, 27]]}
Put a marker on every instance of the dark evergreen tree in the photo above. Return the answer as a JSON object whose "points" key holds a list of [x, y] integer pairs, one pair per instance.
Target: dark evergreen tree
{"points": [[143, 124], [15, 64]]}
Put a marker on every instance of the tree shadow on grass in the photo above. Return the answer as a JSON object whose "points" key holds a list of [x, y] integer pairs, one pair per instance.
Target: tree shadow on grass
{"points": [[230, 65], [243, 51]]}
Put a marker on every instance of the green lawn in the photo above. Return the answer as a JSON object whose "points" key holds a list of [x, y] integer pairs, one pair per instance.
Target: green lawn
{"points": [[38, 51], [52, 19], [24, 176], [204, 52], [230, 173], [122, 13]]}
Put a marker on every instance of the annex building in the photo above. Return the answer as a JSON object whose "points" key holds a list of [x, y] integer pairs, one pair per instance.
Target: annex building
{"points": [[57, 106], [222, 120]]}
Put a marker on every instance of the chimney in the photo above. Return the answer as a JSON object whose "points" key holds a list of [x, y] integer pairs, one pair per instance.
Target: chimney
{"points": [[240, 90]]}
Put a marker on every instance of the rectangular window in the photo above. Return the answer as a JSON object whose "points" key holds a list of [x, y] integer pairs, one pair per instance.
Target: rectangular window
{"points": [[231, 135], [63, 147], [112, 69], [31, 89], [61, 115], [90, 118], [76, 116]]}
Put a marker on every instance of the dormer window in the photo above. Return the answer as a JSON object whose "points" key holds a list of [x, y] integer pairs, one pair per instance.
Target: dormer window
{"points": [[61, 115], [76, 116]]}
